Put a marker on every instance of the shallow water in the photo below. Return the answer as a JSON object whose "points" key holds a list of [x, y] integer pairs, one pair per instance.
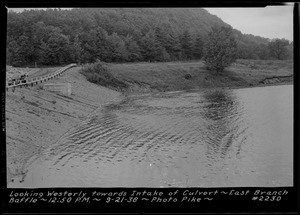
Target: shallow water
{"points": [[212, 138]]}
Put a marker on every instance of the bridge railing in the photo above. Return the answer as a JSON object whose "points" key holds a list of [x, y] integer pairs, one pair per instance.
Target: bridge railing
{"points": [[27, 82]]}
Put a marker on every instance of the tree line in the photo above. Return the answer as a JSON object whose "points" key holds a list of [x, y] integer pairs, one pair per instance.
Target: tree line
{"points": [[57, 37]]}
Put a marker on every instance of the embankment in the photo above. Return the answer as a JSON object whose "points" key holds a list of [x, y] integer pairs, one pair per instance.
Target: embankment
{"points": [[277, 79], [174, 76], [36, 117]]}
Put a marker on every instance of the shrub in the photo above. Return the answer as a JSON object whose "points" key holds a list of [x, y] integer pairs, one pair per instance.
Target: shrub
{"points": [[99, 73]]}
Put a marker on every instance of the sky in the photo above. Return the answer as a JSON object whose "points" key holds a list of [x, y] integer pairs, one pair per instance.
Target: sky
{"points": [[269, 22]]}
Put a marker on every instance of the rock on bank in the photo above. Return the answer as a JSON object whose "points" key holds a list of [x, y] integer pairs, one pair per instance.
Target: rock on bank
{"points": [[36, 117]]}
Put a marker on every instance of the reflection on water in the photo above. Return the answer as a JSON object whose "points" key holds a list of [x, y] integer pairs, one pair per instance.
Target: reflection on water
{"points": [[213, 138]]}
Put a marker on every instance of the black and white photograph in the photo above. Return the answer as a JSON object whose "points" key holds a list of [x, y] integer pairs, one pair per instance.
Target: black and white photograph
{"points": [[149, 97]]}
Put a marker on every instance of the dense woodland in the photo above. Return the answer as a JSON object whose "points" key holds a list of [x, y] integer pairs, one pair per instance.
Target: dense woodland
{"points": [[56, 37]]}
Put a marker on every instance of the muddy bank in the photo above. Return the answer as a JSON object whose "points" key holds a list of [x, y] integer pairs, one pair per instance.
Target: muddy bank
{"points": [[213, 83], [36, 117], [278, 79]]}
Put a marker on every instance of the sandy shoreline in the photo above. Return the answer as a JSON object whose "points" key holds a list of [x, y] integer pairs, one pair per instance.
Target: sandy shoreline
{"points": [[36, 118]]}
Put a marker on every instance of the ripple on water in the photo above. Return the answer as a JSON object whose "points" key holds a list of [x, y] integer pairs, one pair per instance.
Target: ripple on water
{"points": [[212, 138]]}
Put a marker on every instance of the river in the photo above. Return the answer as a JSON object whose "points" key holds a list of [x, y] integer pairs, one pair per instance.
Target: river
{"points": [[207, 138]]}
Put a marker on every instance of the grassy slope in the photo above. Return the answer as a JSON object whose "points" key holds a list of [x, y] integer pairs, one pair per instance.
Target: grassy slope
{"points": [[171, 76]]}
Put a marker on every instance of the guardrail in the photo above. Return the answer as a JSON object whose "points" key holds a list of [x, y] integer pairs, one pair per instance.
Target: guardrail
{"points": [[26, 82]]}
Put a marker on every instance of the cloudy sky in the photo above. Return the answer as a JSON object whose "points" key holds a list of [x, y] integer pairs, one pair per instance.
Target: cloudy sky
{"points": [[270, 22]]}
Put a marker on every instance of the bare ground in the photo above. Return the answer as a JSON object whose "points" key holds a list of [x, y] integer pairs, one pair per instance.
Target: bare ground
{"points": [[36, 118]]}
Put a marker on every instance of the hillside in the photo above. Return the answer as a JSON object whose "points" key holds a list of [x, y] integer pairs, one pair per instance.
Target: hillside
{"points": [[56, 37]]}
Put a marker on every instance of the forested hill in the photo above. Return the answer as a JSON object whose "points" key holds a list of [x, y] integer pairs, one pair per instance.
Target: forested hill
{"points": [[54, 36]]}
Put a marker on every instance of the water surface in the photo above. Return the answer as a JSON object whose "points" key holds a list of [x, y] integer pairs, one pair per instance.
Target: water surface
{"points": [[211, 138]]}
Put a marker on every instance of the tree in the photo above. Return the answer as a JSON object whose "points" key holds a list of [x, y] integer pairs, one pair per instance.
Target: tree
{"points": [[75, 49], [186, 44], [150, 48], [13, 55], [118, 48], [174, 47], [198, 47], [220, 50], [162, 38], [88, 44], [57, 49], [262, 52], [18, 51], [134, 52], [162, 34], [41, 34], [278, 48], [290, 50]]}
